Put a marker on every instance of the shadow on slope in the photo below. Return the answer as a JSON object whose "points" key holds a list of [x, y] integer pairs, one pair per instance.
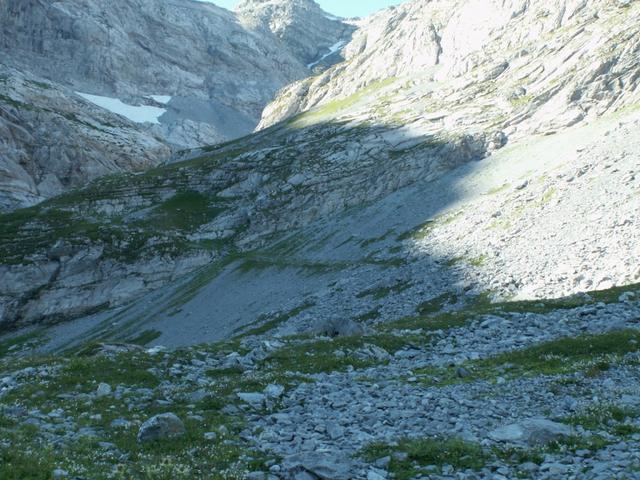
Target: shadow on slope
{"points": [[314, 216]]}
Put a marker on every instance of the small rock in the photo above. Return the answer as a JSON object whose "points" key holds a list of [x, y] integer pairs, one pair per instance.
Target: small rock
{"points": [[274, 391], [376, 475], [59, 473], [103, 390], [120, 423], [340, 327], [254, 399], [164, 426], [328, 465]]}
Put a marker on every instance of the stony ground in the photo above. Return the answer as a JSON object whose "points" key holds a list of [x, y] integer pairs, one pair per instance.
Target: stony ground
{"points": [[540, 389]]}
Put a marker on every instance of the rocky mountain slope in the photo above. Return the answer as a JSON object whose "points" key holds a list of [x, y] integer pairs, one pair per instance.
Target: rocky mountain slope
{"points": [[308, 31], [133, 234], [184, 74], [429, 275], [568, 55], [52, 140]]}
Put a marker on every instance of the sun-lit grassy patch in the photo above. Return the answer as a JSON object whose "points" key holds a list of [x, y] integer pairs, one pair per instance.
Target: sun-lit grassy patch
{"points": [[334, 107], [615, 419], [562, 356]]}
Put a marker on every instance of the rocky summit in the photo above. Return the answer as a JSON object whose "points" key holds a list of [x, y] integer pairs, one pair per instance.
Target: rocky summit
{"points": [[276, 244]]}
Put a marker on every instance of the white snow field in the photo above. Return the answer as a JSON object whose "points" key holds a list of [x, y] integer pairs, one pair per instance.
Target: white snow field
{"points": [[138, 114]]}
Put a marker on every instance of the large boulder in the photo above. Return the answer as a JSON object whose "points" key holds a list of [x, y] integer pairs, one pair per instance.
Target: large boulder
{"points": [[531, 432]]}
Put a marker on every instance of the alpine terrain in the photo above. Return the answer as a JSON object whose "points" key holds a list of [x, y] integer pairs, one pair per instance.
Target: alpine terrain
{"points": [[104, 87], [275, 244]]}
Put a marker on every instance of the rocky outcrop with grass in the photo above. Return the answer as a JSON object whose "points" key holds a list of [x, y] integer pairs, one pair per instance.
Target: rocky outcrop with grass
{"points": [[204, 72], [419, 278], [538, 66], [544, 389], [124, 236]]}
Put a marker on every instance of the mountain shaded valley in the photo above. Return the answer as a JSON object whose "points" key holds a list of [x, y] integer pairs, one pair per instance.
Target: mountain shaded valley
{"points": [[422, 264]]}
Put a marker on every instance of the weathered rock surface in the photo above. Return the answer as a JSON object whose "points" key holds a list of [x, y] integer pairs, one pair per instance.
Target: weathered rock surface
{"points": [[553, 64], [161, 427], [531, 432], [140, 232], [207, 73], [308, 31], [51, 140]]}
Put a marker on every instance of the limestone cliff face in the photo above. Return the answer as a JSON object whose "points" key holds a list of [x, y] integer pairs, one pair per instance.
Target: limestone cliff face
{"points": [[51, 140], [573, 56], [210, 72]]}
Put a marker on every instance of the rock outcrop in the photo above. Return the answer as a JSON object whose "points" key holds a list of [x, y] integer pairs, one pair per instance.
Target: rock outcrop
{"points": [[575, 58], [184, 73], [51, 140], [310, 33], [132, 234]]}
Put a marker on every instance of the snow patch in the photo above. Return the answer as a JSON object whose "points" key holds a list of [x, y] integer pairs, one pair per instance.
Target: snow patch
{"points": [[336, 47], [164, 99], [141, 114]]}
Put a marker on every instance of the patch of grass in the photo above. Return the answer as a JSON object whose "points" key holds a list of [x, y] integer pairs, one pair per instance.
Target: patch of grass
{"points": [[518, 456], [370, 315], [278, 320], [336, 354], [436, 304], [565, 354], [378, 293], [16, 103], [25, 452], [430, 316], [146, 337], [21, 342], [523, 101], [185, 211], [454, 261], [478, 261], [370, 241], [496, 190], [561, 356], [15, 465], [256, 261], [612, 418], [422, 231], [419, 232], [427, 452], [548, 195], [42, 85], [573, 443], [333, 108]]}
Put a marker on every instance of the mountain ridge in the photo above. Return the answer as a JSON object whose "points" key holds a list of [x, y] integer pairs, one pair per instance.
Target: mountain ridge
{"points": [[127, 52]]}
